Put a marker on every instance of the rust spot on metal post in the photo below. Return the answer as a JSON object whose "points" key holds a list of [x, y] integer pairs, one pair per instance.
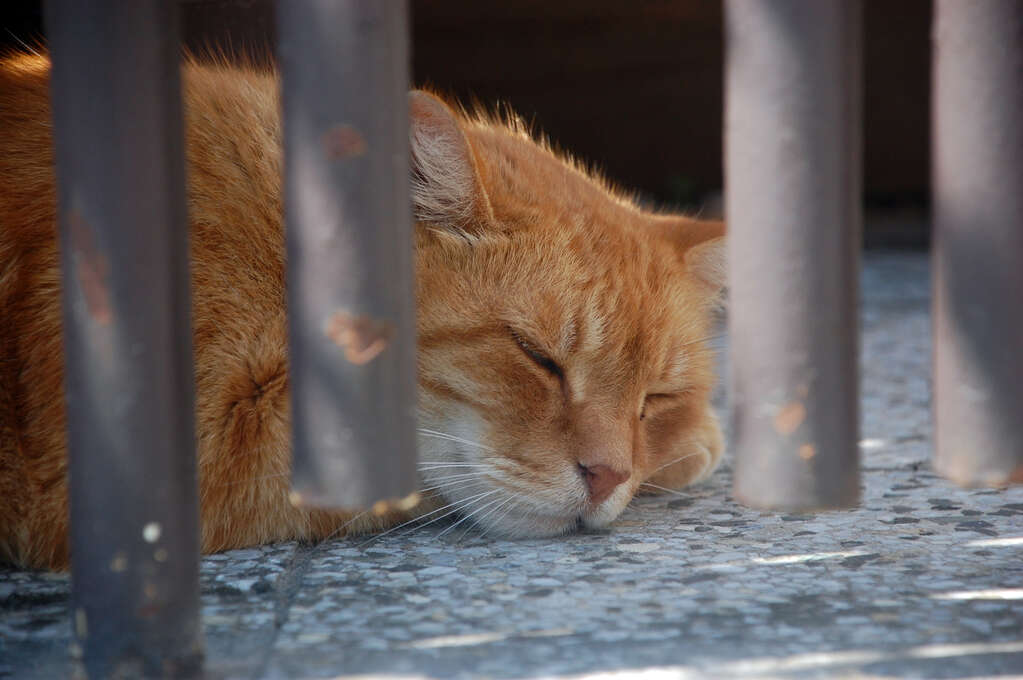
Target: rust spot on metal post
{"points": [[343, 141], [91, 269], [362, 338], [789, 418]]}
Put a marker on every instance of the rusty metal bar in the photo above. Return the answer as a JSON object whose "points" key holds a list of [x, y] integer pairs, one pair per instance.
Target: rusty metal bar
{"points": [[127, 337], [792, 154], [344, 68], [978, 240]]}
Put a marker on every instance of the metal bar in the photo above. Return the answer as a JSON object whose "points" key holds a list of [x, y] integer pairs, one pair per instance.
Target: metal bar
{"points": [[344, 68], [127, 337], [792, 155], [978, 240]]}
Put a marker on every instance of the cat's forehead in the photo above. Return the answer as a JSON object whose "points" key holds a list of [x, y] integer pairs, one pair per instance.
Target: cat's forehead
{"points": [[616, 298]]}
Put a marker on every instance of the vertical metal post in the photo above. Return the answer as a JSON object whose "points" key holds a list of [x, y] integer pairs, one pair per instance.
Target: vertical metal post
{"points": [[127, 337], [792, 155], [978, 240], [344, 68]]}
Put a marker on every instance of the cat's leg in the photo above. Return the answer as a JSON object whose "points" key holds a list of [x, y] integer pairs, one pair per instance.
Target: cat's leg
{"points": [[244, 434]]}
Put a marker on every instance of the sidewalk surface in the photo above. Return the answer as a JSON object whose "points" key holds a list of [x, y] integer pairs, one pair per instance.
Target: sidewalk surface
{"points": [[922, 580]]}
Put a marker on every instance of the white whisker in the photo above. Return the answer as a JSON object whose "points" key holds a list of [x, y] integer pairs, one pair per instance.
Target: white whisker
{"points": [[677, 460], [507, 511], [460, 505], [450, 487], [457, 505], [343, 527], [664, 489], [471, 514], [476, 523], [450, 437], [463, 475]]}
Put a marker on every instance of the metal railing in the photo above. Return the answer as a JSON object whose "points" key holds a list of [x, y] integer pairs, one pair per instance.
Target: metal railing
{"points": [[127, 336], [344, 86], [793, 176], [977, 179]]}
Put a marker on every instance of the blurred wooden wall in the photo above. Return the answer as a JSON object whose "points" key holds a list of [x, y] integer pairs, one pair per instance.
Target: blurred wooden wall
{"points": [[633, 87]]}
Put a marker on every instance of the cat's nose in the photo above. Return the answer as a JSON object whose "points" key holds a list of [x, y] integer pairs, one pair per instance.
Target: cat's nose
{"points": [[601, 480]]}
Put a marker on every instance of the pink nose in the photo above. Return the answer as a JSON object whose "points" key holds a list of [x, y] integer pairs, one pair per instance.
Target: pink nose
{"points": [[601, 480]]}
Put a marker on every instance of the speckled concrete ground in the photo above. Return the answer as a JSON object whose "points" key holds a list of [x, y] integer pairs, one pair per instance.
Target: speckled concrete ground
{"points": [[922, 580]]}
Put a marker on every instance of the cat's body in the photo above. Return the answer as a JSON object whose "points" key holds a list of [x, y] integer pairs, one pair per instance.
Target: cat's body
{"points": [[561, 330]]}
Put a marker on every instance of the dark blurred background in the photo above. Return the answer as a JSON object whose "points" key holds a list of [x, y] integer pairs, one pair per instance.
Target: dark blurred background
{"points": [[633, 87]]}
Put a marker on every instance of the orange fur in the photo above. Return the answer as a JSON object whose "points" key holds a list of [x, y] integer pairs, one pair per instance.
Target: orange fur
{"points": [[522, 258]]}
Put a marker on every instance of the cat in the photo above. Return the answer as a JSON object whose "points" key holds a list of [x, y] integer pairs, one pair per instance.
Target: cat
{"points": [[563, 357]]}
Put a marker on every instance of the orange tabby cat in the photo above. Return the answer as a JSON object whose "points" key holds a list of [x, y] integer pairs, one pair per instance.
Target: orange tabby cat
{"points": [[561, 329]]}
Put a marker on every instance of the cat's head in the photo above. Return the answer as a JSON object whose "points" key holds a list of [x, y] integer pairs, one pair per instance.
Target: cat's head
{"points": [[563, 355]]}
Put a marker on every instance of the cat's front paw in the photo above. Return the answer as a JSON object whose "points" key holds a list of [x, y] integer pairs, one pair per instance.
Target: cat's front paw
{"points": [[694, 463]]}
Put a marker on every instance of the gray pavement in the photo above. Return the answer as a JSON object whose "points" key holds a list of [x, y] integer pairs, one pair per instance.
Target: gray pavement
{"points": [[924, 579]]}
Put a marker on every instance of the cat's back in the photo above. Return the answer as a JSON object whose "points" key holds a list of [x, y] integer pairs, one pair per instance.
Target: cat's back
{"points": [[232, 149], [233, 153]]}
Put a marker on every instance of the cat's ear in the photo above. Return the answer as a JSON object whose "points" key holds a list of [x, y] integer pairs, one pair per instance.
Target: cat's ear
{"points": [[447, 190], [708, 263], [701, 244]]}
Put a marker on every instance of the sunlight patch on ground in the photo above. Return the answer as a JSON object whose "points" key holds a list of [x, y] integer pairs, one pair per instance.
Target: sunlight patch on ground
{"points": [[996, 542], [804, 662], [457, 640], [807, 557], [989, 594], [814, 661]]}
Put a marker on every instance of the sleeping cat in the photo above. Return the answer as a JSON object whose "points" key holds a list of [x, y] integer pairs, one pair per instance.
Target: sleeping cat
{"points": [[562, 356]]}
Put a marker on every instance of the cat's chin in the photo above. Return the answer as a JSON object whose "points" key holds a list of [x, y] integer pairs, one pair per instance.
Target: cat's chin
{"points": [[534, 525], [608, 511], [549, 527]]}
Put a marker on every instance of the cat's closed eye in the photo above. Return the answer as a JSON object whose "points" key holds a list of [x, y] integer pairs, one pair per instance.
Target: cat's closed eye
{"points": [[656, 402], [538, 356]]}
